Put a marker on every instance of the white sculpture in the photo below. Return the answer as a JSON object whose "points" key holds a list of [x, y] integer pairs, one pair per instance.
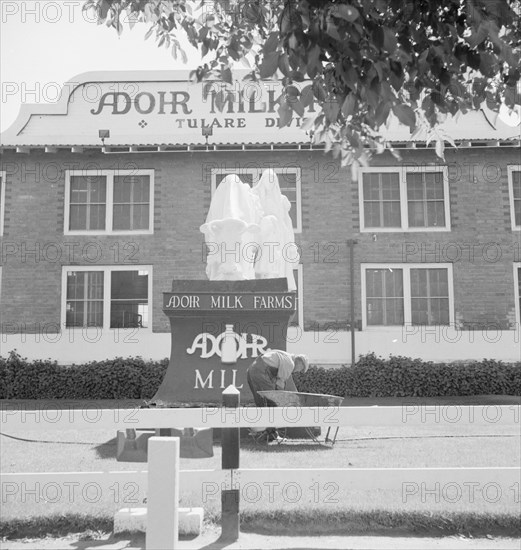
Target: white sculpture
{"points": [[277, 258], [230, 229], [248, 231]]}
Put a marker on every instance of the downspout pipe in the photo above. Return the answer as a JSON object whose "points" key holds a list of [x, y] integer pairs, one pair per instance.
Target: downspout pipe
{"points": [[351, 244]]}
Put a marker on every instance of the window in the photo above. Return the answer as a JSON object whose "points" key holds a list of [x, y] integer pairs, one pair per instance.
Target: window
{"points": [[108, 201], [107, 297], [289, 181], [407, 294], [404, 199], [514, 191], [298, 317], [517, 291], [2, 202]]}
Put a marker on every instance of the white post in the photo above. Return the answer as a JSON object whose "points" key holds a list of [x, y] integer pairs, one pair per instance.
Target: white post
{"points": [[163, 493]]}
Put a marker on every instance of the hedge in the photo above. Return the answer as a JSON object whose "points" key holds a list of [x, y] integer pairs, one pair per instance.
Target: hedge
{"points": [[405, 377], [134, 378]]}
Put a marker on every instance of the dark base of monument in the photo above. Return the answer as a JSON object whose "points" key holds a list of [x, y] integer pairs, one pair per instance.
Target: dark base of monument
{"points": [[218, 329]]}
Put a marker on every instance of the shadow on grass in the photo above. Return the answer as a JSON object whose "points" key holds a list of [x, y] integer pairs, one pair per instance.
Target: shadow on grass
{"points": [[290, 445], [107, 450]]}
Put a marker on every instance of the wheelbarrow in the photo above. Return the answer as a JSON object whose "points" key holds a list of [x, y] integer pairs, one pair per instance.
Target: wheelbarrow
{"points": [[281, 398]]}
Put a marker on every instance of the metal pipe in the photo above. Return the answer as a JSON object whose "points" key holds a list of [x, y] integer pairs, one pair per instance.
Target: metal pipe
{"points": [[351, 243]]}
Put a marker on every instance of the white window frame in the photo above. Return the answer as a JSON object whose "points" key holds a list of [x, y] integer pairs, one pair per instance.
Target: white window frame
{"points": [[517, 266], [110, 175], [257, 173], [406, 268], [300, 295], [2, 200], [107, 270], [402, 172], [510, 170]]}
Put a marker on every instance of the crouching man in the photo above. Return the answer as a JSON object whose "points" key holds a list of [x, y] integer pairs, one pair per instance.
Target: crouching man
{"points": [[273, 371]]}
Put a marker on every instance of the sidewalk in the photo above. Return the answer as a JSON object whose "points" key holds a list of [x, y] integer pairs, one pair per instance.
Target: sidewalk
{"points": [[251, 541]]}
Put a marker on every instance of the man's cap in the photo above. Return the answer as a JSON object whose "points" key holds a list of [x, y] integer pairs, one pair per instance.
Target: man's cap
{"points": [[304, 359]]}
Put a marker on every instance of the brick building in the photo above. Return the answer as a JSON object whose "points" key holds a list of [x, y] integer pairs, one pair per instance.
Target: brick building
{"points": [[102, 196]]}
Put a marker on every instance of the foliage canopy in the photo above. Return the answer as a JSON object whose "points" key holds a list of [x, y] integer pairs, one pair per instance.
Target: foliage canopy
{"points": [[358, 60]]}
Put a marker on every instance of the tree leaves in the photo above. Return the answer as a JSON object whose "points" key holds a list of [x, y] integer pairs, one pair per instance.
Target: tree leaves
{"points": [[365, 58], [285, 114], [405, 115], [390, 42], [345, 11], [269, 64], [348, 105]]}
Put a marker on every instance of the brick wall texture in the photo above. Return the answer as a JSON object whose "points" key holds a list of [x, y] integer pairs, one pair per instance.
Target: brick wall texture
{"points": [[481, 244]]}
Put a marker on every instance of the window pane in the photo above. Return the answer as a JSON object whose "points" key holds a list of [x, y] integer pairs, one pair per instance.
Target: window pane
{"points": [[375, 312], [516, 188], [434, 185], [294, 321], [75, 285], [415, 187], [84, 306], [98, 189], [390, 185], [374, 283], [287, 180], [371, 187], [121, 217], [519, 290], [121, 190], [430, 296], [74, 314], [141, 216], [416, 214], [384, 296], [394, 311], [131, 200], [372, 214], [391, 214], [393, 282], [381, 195], [425, 200], [79, 189], [95, 285], [97, 216], [436, 214], [78, 217], [87, 203], [516, 184], [129, 299]]}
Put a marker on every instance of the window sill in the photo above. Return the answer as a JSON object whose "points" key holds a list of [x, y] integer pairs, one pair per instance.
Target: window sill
{"points": [[407, 230], [109, 233]]}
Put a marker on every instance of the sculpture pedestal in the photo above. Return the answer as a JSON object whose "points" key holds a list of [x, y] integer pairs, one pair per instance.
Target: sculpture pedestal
{"points": [[218, 329]]}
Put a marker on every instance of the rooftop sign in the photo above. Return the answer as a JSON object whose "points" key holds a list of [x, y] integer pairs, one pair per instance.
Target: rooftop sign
{"points": [[156, 108]]}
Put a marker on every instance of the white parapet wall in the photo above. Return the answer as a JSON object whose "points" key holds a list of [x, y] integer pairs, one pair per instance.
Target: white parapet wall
{"points": [[325, 347]]}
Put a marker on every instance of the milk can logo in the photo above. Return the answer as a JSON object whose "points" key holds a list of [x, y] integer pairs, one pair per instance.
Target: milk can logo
{"points": [[228, 345]]}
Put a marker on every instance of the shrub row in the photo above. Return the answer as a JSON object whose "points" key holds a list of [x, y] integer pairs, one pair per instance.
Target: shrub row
{"points": [[405, 377], [130, 378], [134, 378]]}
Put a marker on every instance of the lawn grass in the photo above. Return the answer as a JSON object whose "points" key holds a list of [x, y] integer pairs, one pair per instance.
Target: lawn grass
{"points": [[281, 522], [463, 444]]}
